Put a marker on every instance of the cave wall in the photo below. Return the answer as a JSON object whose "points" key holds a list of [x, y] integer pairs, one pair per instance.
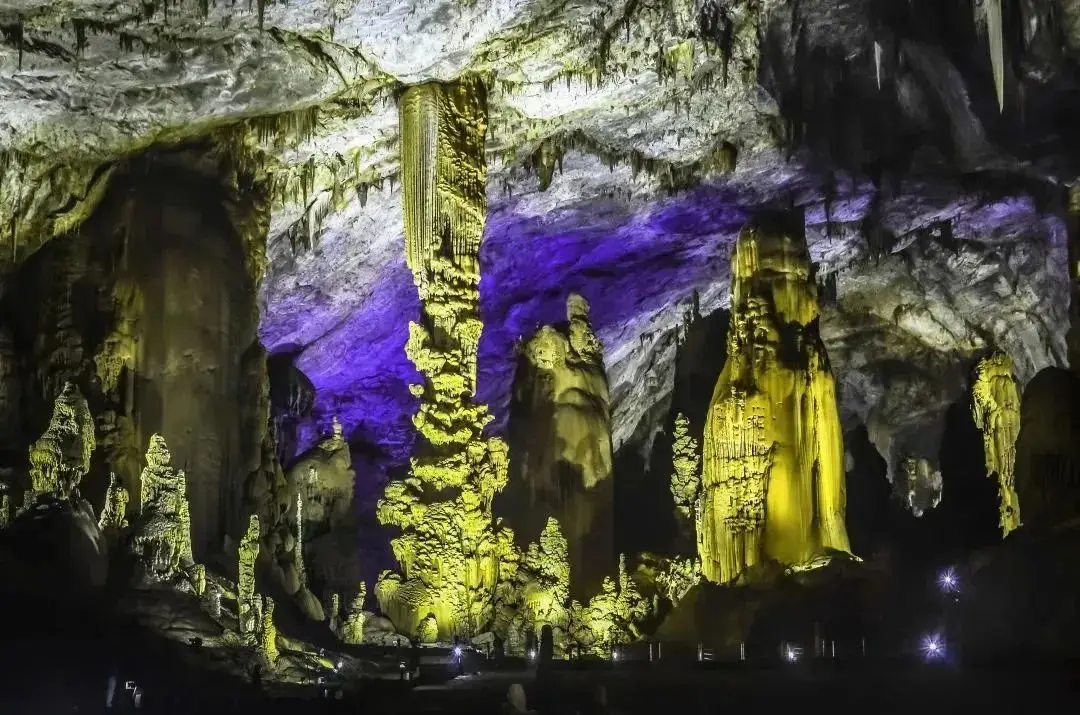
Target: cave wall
{"points": [[198, 321], [150, 308]]}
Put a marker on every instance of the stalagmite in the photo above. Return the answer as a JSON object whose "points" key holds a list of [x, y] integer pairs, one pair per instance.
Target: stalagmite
{"points": [[113, 515], [773, 471], [448, 549], [996, 408], [161, 538], [61, 457], [352, 628], [561, 446], [268, 649], [686, 474], [245, 582]]}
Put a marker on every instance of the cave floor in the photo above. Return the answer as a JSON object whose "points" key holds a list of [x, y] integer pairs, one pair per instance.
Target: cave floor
{"points": [[904, 689]]}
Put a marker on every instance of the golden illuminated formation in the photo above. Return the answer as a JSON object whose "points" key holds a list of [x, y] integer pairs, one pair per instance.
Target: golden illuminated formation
{"points": [[268, 649], [448, 549], [611, 617], [773, 473], [61, 456], [247, 601], [686, 475], [996, 407], [561, 450], [352, 628]]}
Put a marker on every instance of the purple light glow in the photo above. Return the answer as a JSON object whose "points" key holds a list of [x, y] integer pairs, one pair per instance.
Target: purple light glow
{"points": [[627, 259]]}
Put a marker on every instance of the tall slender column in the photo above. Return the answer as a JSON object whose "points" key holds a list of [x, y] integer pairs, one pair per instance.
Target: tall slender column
{"points": [[449, 550]]}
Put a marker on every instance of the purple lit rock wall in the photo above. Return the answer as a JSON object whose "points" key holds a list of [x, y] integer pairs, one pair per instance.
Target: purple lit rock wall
{"points": [[625, 262], [347, 304]]}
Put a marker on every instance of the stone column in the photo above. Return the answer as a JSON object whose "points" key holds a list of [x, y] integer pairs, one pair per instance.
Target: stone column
{"points": [[773, 458], [448, 549]]}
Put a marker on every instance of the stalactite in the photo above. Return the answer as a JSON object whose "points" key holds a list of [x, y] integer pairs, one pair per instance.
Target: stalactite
{"points": [[773, 468], [448, 548], [996, 36], [996, 409], [1073, 238], [878, 56]]}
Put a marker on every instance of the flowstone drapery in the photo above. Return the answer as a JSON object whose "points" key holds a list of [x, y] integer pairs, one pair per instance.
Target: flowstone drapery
{"points": [[773, 471], [996, 408], [61, 456], [449, 550]]}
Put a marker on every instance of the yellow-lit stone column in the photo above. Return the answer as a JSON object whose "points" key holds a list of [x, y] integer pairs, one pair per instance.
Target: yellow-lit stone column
{"points": [[773, 458], [996, 408], [448, 549]]}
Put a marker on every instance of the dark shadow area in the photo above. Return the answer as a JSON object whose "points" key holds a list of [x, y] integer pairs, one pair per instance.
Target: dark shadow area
{"points": [[869, 496]]}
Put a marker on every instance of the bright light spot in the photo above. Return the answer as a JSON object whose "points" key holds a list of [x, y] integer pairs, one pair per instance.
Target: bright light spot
{"points": [[949, 581], [532, 655], [933, 647], [339, 664], [457, 651], [614, 655], [792, 653]]}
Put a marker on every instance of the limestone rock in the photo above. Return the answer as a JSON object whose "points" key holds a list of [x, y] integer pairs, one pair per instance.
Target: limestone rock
{"points": [[61, 456], [161, 534], [996, 408], [324, 478], [560, 446], [449, 549], [773, 470]]}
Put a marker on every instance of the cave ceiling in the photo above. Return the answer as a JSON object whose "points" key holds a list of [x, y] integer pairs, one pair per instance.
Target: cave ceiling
{"points": [[672, 122]]}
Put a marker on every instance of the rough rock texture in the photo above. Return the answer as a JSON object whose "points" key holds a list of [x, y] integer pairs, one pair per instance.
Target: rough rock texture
{"points": [[903, 121], [560, 447], [60, 458], [996, 408], [772, 474], [161, 534], [449, 549]]}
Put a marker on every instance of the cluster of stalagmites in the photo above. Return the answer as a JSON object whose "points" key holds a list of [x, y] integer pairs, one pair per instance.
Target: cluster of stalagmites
{"points": [[461, 573]]}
